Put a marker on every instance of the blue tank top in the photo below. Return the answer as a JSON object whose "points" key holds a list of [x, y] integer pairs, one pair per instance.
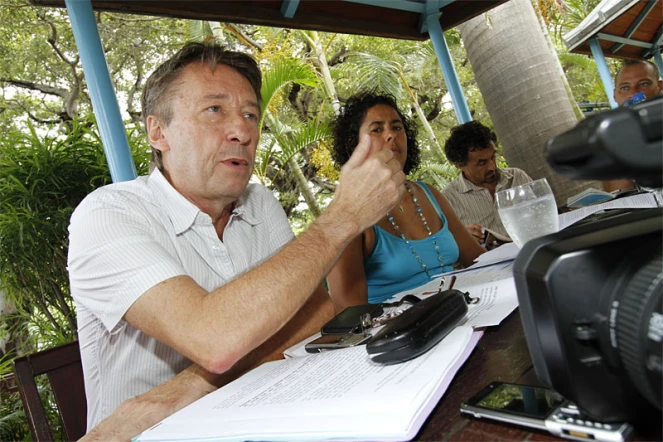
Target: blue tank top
{"points": [[392, 268]]}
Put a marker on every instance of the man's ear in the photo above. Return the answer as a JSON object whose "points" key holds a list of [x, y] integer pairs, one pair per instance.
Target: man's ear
{"points": [[155, 136]]}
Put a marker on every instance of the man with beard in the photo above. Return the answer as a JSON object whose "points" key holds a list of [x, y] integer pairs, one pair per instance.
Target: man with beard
{"points": [[472, 148]]}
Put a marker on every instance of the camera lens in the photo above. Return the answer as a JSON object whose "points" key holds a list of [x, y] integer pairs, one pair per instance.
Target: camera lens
{"points": [[636, 320], [639, 328]]}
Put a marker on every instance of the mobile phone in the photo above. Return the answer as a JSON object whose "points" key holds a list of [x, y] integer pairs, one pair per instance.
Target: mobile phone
{"points": [[486, 237], [349, 320], [331, 342], [541, 408]]}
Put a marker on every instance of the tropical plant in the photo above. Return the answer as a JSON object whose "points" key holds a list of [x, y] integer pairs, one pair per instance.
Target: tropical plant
{"points": [[42, 179], [281, 142]]}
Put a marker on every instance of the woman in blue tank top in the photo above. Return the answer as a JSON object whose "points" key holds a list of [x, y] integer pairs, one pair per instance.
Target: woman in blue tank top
{"points": [[418, 239]]}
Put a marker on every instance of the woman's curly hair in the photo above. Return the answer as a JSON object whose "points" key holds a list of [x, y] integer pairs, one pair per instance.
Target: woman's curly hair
{"points": [[345, 128]]}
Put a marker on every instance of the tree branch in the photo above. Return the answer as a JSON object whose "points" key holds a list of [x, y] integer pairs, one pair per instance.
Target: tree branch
{"points": [[243, 37], [131, 109], [52, 40], [338, 57], [59, 92], [62, 116]]}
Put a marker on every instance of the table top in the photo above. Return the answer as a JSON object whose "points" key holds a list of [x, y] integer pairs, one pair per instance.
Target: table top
{"points": [[500, 355]]}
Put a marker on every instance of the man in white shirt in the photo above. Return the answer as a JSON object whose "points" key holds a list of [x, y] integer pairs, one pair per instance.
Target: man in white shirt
{"points": [[472, 148], [188, 277]]}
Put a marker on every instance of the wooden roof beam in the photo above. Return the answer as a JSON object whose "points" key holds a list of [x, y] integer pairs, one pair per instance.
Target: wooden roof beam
{"points": [[635, 25]]}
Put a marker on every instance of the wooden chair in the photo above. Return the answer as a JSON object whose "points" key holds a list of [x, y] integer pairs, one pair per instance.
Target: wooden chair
{"points": [[63, 367]]}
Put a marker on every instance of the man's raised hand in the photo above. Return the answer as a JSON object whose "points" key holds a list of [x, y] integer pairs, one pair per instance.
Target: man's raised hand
{"points": [[371, 183]]}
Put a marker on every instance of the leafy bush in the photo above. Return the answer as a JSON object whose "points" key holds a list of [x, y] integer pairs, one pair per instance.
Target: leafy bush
{"points": [[42, 180]]}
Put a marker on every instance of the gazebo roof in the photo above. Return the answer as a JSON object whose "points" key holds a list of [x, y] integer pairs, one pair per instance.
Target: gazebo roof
{"points": [[630, 29], [381, 18]]}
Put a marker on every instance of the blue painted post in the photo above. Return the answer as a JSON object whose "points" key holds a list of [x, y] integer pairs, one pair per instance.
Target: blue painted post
{"points": [[659, 61], [604, 72], [102, 92], [448, 69]]}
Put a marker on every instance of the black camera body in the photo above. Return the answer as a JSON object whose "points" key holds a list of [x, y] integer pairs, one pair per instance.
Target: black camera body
{"points": [[590, 295], [590, 302]]}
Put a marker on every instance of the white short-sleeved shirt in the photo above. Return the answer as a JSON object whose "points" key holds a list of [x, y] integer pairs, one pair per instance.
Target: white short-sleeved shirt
{"points": [[475, 205], [127, 237]]}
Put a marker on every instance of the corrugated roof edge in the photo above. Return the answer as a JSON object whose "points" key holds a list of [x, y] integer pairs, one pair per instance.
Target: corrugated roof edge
{"points": [[604, 13]]}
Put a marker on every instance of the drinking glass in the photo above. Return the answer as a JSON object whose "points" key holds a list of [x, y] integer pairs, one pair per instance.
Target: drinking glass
{"points": [[528, 211]]}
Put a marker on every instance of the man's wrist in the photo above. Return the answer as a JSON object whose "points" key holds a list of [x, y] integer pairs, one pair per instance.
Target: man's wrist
{"points": [[338, 224]]}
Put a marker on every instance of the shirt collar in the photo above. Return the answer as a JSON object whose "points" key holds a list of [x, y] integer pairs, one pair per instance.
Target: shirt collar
{"points": [[183, 213], [466, 185]]}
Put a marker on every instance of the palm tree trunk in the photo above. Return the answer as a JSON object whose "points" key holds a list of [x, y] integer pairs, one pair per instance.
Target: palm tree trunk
{"points": [[558, 64], [522, 89], [421, 115], [330, 89], [304, 189]]}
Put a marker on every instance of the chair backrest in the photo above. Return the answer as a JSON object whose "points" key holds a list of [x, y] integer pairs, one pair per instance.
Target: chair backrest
{"points": [[63, 367]]}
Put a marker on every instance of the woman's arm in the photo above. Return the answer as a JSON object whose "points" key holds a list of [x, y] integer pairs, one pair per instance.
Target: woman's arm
{"points": [[468, 247], [347, 280]]}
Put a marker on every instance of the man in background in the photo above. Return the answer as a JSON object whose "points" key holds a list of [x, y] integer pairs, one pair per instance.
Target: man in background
{"points": [[634, 77], [472, 148]]}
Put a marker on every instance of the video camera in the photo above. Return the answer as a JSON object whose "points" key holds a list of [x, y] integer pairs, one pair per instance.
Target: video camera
{"points": [[590, 295]]}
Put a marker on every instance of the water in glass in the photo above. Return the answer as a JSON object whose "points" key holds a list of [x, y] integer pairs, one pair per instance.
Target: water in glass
{"points": [[530, 219]]}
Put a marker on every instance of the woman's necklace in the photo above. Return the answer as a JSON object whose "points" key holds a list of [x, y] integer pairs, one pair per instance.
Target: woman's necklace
{"points": [[407, 241]]}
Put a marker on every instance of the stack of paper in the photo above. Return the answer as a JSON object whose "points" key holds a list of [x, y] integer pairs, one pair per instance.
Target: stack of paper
{"points": [[640, 201], [342, 394], [338, 394]]}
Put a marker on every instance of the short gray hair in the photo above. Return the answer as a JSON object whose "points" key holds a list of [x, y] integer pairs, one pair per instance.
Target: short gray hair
{"points": [[158, 89]]}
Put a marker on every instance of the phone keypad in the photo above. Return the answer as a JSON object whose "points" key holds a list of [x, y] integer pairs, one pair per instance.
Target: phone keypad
{"points": [[585, 423]]}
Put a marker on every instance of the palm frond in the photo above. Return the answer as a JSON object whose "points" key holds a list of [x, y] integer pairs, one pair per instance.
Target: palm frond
{"points": [[372, 73], [197, 30], [579, 60], [443, 169], [263, 155], [292, 142], [283, 72]]}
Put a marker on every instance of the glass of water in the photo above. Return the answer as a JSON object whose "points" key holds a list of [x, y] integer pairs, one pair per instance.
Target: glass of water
{"points": [[528, 211]]}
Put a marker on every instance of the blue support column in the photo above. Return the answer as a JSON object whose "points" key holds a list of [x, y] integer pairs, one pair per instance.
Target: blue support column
{"points": [[604, 72], [659, 61], [102, 92], [448, 70]]}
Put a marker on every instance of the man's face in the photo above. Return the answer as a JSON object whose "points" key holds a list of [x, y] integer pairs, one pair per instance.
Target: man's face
{"points": [[636, 78], [481, 168], [209, 146]]}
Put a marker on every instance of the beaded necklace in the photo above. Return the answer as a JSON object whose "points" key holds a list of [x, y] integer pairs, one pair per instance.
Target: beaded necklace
{"points": [[407, 241]]}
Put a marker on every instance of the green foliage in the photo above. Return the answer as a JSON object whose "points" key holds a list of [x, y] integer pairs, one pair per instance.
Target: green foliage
{"points": [[42, 179], [372, 72], [283, 143], [282, 73], [13, 424]]}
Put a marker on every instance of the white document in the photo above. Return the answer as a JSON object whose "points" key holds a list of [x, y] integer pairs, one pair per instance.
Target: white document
{"points": [[339, 394], [641, 201], [505, 252], [493, 285]]}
